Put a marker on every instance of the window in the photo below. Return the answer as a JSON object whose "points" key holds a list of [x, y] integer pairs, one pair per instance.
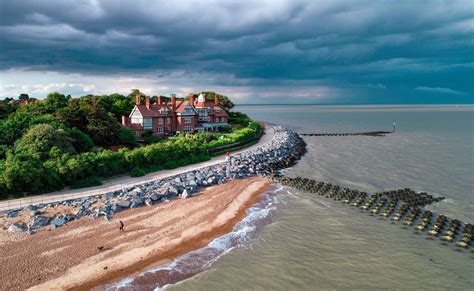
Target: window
{"points": [[164, 111], [222, 119], [160, 120], [159, 130], [217, 109], [188, 129], [187, 120], [137, 120], [168, 120], [203, 114], [137, 133], [147, 123]]}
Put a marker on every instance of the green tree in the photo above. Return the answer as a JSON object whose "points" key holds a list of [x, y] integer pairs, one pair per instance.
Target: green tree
{"points": [[134, 93], [55, 101], [23, 96], [81, 141], [13, 127], [127, 137], [41, 138], [6, 108], [23, 172]]}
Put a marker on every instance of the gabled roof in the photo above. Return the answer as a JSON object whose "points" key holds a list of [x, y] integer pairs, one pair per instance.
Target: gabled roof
{"points": [[180, 107], [154, 110]]}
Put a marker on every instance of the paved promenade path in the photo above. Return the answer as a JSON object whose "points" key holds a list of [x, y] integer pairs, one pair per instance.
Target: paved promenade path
{"points": [[111, 185]]}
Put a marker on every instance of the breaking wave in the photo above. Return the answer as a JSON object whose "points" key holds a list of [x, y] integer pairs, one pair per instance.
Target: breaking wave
{"points": [[202, 259]]}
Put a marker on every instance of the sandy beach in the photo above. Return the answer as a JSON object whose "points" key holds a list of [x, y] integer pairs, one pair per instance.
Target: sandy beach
{"points": [[88, 253]]}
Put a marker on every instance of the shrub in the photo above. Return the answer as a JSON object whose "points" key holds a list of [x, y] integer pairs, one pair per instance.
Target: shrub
{"points": [[138, 172], [87, 182]]}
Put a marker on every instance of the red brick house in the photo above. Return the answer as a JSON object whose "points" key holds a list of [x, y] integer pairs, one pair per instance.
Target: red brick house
{"points": [[174, 117]]}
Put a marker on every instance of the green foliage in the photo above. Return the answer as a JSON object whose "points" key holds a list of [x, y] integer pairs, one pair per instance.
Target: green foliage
{"points": [[117, 104], [23, 96], [80, 141], [239, 118], [88, 115], [126, 137], [41, 138], [138, 172], [55, 101], [23, 172], [6, 108], [13, 127], [149, 138], [87, 182]]}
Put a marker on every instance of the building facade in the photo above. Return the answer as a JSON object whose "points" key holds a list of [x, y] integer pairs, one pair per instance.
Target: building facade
{"points": [[188, 116]]}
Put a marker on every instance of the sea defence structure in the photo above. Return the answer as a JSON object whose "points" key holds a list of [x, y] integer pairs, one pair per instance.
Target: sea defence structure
{"points": [[396, 205], [363, 133], [282, 151]]}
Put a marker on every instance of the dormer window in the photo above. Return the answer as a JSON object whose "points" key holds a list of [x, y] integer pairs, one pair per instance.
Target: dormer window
{"points": [[217, 109]]}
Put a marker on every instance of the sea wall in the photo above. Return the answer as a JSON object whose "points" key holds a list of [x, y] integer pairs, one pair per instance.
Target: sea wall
{"points": [[282, 151]]}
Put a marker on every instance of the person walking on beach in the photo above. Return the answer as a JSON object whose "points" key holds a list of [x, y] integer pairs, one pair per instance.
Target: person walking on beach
{"points": [[121, 226]]}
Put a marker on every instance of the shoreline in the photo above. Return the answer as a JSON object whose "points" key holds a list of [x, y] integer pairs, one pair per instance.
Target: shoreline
{"points": [[198, 242], [68, 258]]}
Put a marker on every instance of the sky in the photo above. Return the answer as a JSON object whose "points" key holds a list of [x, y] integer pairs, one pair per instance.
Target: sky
{"points": [[255, 52]]}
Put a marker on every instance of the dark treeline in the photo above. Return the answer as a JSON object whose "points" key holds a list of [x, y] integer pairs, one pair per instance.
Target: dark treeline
{"points": [[64, 141]]}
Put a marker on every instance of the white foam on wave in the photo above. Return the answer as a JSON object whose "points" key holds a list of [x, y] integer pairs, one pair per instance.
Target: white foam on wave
{"points": [[202, 259]]}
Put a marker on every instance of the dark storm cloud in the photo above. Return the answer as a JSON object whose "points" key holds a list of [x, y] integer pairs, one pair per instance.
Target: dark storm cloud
{"points": [[385, 49]]}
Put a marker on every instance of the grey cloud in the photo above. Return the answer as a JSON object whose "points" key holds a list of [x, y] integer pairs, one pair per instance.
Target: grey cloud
{"points": [[339, 44]]}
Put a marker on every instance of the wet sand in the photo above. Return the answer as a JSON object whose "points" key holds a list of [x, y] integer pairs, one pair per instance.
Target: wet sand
{"points": [[69, 257]]}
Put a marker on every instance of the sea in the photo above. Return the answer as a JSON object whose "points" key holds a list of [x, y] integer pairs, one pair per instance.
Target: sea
{"points": [[294, 240]]}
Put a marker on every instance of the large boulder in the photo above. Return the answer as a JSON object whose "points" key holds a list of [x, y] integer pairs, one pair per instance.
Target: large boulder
{"points": [[34, 213], [193, 184], [57, 222], [116, 208], [69, 217], [40, 222], [173, 191], [13, 213], [185, 194], [81, 212], [137, 202], [17, 227], [124, 204], [211, 180]]}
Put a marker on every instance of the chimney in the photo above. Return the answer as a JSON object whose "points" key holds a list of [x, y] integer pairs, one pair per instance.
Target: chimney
{"points": [[137, 100], [124, 120], [158, 100], [147, 102], [216, 100], [191, 99], [173, 102]]}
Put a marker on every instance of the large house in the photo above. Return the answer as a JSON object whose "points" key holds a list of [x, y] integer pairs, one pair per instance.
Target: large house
{"points": [[174, 117]]}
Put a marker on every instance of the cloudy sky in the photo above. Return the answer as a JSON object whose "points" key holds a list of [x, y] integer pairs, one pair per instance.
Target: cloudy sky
{"points": [[273, 51]]}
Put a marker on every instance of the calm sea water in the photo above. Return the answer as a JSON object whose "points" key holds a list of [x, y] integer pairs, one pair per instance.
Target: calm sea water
{"points": [[300, 241]]}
